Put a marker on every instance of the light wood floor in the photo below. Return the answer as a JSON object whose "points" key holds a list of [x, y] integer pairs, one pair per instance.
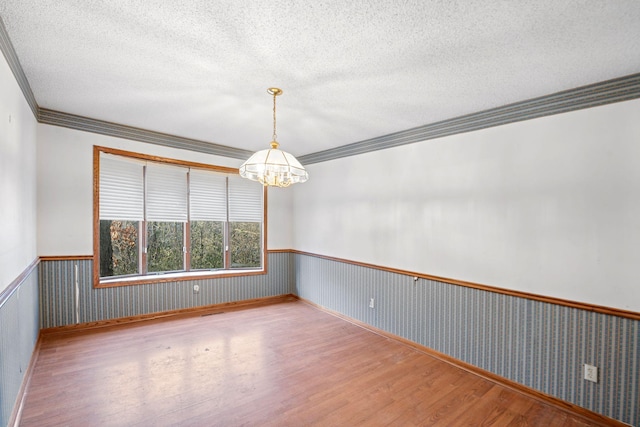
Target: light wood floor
{"points": [[286, 364]]}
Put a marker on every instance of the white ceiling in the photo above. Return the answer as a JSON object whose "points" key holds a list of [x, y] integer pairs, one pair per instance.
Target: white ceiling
{"points": [[349, 70]]}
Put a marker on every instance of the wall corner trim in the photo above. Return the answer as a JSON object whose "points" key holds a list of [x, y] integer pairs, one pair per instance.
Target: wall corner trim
{"points": [[15, 284]]}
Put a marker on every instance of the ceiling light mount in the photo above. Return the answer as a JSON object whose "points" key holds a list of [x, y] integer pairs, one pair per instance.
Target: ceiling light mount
{"points": [[274, 167]]}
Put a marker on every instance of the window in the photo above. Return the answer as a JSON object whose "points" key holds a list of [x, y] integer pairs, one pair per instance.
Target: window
{"points": [[157, 217]]}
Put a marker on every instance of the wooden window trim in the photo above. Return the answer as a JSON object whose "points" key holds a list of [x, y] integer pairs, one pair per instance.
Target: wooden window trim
{"points": [[168, 277]]}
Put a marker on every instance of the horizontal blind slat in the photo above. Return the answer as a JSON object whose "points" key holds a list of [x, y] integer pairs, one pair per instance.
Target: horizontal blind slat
{"points": [[121, 189], [166, 193], [207, 196], [245, 200]]}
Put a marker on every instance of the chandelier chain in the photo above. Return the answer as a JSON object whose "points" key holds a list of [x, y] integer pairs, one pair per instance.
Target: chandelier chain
{"points": [[275, 136], [273, 167]]}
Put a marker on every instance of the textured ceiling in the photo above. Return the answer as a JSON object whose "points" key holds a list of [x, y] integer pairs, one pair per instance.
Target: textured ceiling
{"points": [[349, 70]]}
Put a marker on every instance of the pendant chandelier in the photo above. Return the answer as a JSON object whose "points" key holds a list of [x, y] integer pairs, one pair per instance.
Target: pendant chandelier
{"points": [[274, 167]]}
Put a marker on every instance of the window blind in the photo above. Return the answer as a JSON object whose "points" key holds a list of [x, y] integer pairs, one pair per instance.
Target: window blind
{"points": [[166, 193], [245, 200], [207, 196], [121, 188]]}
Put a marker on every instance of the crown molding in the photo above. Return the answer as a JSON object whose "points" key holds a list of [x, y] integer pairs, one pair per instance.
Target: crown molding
{"points": [[607, 92], [593, 95], [14, 64], [57, 118], [87, 124]]}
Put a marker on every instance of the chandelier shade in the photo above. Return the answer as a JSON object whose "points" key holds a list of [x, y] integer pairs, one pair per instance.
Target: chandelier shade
{"points": [[274, 167]]}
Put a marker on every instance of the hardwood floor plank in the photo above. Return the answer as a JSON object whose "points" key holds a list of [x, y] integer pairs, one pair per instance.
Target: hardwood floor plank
{"points": [[285, 364]]}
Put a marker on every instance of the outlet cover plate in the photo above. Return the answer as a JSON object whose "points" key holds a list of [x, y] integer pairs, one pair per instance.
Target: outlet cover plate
{"points": [[591, 373]]}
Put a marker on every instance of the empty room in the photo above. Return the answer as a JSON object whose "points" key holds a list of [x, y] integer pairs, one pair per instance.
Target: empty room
{"points": [[380, 213]]}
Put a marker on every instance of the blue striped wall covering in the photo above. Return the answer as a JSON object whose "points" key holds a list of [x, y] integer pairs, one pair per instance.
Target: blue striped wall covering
{"points": [[538, 344], [18, 336], [58, 292]]}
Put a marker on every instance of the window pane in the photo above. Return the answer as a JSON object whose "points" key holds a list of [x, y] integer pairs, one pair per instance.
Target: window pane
{"points": [[151, 209], [165, 241], [207, 241], [245, 241], [119, 247]]}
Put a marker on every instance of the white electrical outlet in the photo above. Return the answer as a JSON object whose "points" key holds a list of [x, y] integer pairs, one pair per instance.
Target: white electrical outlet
{"points": [[371, 303], [591, 373], [196, 289]]}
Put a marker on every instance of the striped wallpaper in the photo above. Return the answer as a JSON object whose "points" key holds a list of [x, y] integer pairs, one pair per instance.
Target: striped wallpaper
{"points": [[18, 335], [58, 292], [538, 344]]}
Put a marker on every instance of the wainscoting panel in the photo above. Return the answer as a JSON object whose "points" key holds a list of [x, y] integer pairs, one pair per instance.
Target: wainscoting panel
{"points": [[18, 336], [59, 293], [541, 345]]}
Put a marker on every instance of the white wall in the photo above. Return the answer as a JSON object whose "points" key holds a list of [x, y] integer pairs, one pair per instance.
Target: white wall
{"points": [[65, 189], [17, 179], [280, 218], [549, 206]]}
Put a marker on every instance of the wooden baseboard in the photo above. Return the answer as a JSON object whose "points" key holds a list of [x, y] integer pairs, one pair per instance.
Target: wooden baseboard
{"points": [[170, 315], [589, 416], [16, 414]]}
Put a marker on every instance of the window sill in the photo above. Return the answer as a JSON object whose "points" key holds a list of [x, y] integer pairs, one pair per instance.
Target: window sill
{"points": [[175, 277]]}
